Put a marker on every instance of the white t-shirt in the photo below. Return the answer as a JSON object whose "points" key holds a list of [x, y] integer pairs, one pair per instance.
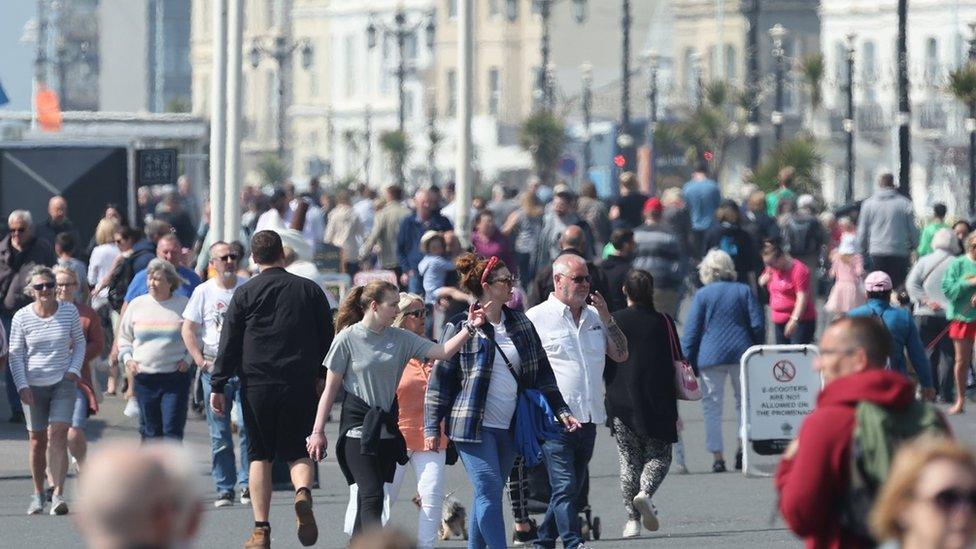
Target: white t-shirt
{"points": [[99, 264], [207, 306], [502, 388]]}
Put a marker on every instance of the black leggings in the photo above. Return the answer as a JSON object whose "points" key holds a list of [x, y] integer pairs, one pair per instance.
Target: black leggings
{"points": [[368, 474]]}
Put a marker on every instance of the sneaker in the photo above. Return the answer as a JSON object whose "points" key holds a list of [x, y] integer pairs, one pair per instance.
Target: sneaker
{"points": [[246, 496], [632, 529], [526, 537], [36, 505], [260, 539], [738, 460], [131, 408], [58, 505], [719, 466], [642, 502], [225, 499], [308, 532]]}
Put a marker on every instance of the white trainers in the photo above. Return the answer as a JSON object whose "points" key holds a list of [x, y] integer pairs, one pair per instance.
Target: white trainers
{"points": [[58, 505], [642, 502], [131, 408], [36, 505], [632, 529]]}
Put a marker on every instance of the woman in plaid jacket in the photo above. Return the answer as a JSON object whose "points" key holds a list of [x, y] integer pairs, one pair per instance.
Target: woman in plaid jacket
{"points": [[475, 393]]}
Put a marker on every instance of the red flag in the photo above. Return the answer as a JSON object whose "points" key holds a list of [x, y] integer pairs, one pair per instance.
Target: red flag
{"points": [[48, 109]]}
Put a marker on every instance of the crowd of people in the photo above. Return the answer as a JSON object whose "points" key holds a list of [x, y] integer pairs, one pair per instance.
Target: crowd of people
{"points": [[565, 313]]}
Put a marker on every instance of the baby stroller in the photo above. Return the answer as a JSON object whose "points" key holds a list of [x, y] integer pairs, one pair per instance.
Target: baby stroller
{"points": [[529, 492]]}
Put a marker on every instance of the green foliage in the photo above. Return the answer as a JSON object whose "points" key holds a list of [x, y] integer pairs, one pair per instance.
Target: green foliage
{"points": [[962, 83], [272, 169], [802, 153], [543, 136], [396, 145], [812, 68]]}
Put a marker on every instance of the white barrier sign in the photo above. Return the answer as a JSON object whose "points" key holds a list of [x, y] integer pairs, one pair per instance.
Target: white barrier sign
{"points": [[779, 388]]}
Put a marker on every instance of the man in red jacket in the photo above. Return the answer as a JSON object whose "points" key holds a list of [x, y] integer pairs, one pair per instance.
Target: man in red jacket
{"points": [[812, 479]]}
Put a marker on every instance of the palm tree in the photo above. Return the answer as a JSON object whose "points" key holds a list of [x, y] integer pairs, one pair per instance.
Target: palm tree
{"points": [[543, 136], [272, 169], [812, 68], [802, 154], [396, 144], [962, 85]]}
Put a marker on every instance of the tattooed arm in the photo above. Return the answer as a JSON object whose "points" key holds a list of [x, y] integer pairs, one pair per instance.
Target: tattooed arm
{"points": [[616, 340]]}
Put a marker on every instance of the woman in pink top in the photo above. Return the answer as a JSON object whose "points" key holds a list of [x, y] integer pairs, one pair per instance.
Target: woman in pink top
{"points": [[488, 240], [790, 300], [847, 270], [428, 466]]}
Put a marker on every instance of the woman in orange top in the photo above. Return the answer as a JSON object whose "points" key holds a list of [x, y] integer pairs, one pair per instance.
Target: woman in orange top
{"points": [[428, 466]]}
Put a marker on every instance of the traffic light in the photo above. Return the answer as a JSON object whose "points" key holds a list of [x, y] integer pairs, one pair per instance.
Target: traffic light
{"points": [[619, 161]]}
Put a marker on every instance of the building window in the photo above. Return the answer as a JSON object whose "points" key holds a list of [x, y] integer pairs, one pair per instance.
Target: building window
{"points": [[451, 109], [494, 90], [452, 8], [271, 85], [790, 81], [350, 65], [869, 70], [714, 67], [731, 66], [932, 59], [493, 7], [691, 79]]}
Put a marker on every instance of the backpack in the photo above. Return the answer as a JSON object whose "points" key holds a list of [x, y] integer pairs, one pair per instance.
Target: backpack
{"points": [[878, 432], [118, 285], [801, 236]]}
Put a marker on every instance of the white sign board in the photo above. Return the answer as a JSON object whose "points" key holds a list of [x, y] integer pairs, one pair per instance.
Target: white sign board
{"points": [[779, 388]]}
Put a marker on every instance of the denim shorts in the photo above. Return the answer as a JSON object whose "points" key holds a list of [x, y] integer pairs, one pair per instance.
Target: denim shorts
{"points": [[52, 404], [79, 419]]}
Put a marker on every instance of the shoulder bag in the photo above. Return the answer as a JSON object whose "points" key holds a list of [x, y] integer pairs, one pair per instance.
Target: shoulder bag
{"points": [[685, 383]]}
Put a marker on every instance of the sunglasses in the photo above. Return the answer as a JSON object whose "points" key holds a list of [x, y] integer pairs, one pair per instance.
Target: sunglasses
{"points": [[419, 313], [951, 498], [44, 286], [580, 279], [510, 280], [17, 230], [229, 257]]}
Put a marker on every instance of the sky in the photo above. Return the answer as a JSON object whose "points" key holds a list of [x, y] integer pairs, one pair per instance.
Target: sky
{"points": [[16, 58]]}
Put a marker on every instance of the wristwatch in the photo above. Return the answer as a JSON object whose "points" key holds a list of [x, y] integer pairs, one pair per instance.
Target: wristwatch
{"points": [[471, 330]]}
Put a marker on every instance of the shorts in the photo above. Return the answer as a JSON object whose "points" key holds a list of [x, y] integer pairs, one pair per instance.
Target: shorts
{"points": [[79, 420], [278, 418], [52, 404], [962, 330]]}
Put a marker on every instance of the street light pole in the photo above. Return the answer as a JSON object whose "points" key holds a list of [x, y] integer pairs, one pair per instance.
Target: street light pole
{"points": [[281, 51], [652, 66], [849, 121], [904, 105], [971, 126], [752, 49], [777, 33], [586, 70], [432, 135]]}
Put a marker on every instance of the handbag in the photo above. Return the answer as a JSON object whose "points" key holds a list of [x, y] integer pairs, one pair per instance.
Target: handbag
{"points": [[534, 419], [685, 383]]}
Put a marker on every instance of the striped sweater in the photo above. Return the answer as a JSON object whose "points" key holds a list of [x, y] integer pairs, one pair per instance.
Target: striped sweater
{"points": [[44, 350], [149, 333]]}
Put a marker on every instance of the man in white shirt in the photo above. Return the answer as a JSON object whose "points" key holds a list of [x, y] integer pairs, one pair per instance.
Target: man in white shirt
{"points": [[206, 309], [577, 339]]}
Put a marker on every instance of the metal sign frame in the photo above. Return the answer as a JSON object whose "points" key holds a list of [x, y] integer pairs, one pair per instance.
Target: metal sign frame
{"points": [[744, 425]]}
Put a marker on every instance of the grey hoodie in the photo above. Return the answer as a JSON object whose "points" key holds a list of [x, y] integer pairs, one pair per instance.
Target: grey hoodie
{"points": [[886, 225]]}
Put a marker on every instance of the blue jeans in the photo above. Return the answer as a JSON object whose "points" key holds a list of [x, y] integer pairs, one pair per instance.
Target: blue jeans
{"points": [[224, 470], [13, 397], [162, 399], [488, 463], [566, 459]]}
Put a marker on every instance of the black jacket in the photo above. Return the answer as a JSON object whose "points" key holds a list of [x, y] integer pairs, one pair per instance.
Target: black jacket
{"points": [[542, 286], [615, 269], [15, 267], [277, 331], [356, 413], [740, 246], [640, 390]]}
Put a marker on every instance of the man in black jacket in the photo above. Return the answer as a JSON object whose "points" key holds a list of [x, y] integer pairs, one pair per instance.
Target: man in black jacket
{"points": [[572, 241], [277, 331], [20, 251], [616, 267]]}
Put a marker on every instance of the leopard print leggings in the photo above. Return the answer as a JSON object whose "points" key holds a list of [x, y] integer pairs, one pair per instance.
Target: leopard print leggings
{"points": [[644, 462]]}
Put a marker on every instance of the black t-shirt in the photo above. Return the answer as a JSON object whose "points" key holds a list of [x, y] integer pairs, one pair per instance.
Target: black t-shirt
{"points": [[631, 206]]}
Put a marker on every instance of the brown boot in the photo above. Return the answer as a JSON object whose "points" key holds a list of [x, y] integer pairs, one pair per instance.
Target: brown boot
{"points": [[308, 532], [260, 539]]}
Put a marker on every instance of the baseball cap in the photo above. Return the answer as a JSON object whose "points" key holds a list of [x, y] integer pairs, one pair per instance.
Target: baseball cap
{"points": [[562, 190], [877, 281], [652, 204]]}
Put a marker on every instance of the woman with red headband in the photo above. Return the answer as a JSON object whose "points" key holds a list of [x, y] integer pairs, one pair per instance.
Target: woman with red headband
{"points": [[475, 393]]}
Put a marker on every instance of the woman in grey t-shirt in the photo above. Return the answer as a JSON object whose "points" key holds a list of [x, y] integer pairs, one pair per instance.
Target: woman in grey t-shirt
{"points": [[367, 358]]}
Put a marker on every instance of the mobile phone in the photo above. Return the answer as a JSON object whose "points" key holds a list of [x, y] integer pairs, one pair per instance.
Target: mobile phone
{"points": [[589, 299]]}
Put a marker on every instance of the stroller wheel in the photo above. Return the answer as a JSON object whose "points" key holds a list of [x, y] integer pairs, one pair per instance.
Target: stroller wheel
{"points": [[585, 530], [596, 528]]}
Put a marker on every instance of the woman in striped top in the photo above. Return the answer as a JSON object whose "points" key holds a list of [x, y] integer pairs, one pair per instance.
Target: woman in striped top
{"points": [[47, 349], [152, 349]]}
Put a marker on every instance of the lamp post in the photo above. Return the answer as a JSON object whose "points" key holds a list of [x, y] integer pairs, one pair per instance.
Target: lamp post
{"points": [[777, 33], [401, 31], [280, 50], [752, 51], [432, 135], [625, 140], [544, 90], [849, 121], [586, 71], [652, 60], [971, 127], [904, 105]]}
